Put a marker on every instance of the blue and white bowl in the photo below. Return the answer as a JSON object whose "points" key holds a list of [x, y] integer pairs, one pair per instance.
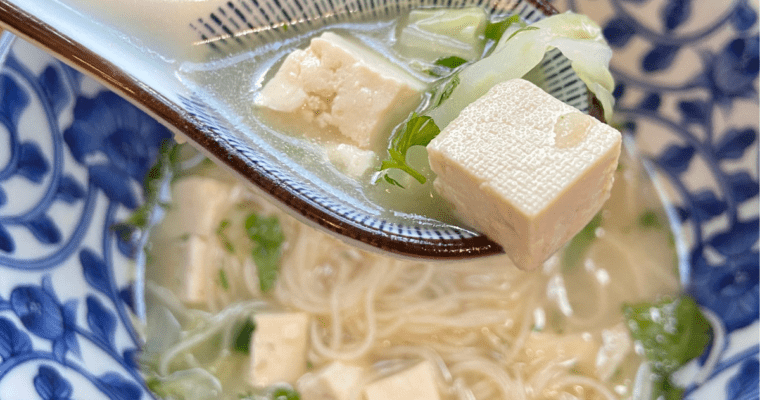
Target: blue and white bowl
{"points": [[73, 156]]}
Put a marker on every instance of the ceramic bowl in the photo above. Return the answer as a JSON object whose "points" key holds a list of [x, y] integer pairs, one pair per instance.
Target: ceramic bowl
{"points": [[73, 155]]}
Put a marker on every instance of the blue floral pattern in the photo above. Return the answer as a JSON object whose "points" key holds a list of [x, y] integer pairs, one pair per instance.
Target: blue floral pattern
{"points": [[88, 154], [705, 124]]}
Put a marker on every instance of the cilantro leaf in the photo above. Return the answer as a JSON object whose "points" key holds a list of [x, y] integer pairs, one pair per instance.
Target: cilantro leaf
{"points": [[267, 236], [222, 235], [284, 393], [672, 332], [418, 130], [578, 246], [495, 30], [224, 282], [650, 219], [450, 62], [242, 339], [166, 168], [445, 65]]}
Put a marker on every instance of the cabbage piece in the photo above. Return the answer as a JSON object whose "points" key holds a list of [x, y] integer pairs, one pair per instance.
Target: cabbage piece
{"points": [[435, 33], [576, 36]]}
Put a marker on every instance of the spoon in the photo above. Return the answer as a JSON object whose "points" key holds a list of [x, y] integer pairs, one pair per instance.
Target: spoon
{"points": [[148, 56]]}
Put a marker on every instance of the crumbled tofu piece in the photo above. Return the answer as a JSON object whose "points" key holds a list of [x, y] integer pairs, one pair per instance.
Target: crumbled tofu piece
{"points": [[437, 33], [580, 348], [418, 383], [338, 83], [334, 382], [198, 207], [525, 169], [350, 159], [278, 348]]}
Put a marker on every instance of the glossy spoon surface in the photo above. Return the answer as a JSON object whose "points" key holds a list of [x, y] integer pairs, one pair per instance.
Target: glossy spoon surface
{"points": [[151, 52]]}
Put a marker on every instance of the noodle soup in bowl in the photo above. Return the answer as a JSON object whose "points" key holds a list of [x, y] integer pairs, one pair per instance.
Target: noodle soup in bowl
{"points": [[239, 300], [481, 328]]}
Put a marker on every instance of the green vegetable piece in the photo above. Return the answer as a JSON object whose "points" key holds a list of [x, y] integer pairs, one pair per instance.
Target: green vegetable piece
{"points": [[650, 219], [495, 30], [450, 62], [267, 236], [418, 130], [672, 331], [221, 233], [429, 34], [242, 339], [446, 92], [283, 393], [167, 167], [223, 281], [664, 388], [523, 29], [578, 246], [445, 65]]}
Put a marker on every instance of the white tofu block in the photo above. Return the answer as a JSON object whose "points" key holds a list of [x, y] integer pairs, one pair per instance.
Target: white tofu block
{"points": [[338, 83], [525, 169], [418, 383], [278, 348], [337, 381], [197, 207], [185, 266]]}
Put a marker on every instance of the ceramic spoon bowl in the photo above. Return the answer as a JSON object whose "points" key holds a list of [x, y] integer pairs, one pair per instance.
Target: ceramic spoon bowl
{"points": [[154, 58]]}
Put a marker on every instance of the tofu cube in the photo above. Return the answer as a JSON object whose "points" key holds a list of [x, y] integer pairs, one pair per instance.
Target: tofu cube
{"points": [[418, 383], [278, 348], [337, 381], [185, 266], [198, 204], [525, 169], [337, 83]]}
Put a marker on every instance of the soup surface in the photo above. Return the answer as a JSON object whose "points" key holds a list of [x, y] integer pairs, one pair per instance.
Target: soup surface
{"points": [[485, 329]]}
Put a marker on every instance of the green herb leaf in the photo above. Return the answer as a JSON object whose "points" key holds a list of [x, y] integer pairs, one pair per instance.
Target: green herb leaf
{"points": [[283, 393], [223, 281], [451, 62], [445, 65], [418, 130], [578, 246], [672, 332], [662, 387], [221, 233], [242, 339], [267, 236], [650, 219], [495, 30], [166, 168]]}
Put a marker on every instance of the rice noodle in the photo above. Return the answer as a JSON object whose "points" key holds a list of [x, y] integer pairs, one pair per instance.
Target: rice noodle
{"points": [[473, 320]]}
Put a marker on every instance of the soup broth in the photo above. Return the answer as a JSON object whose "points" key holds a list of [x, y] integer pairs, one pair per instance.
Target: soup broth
{"points": [[490, 330]]}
